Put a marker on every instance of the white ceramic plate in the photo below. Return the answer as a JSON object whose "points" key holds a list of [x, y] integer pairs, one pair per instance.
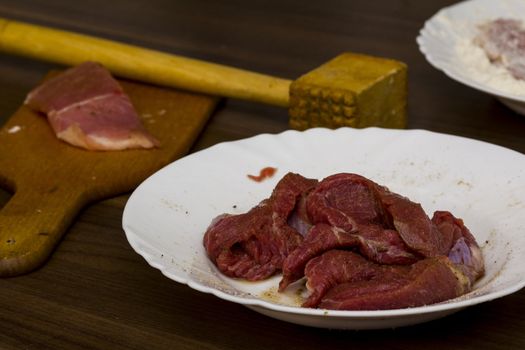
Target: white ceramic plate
{"points": [[446, 42], [167, 215]]}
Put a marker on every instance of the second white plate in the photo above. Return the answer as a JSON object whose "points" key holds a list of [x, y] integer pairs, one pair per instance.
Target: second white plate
{"points": [[446, 40]]}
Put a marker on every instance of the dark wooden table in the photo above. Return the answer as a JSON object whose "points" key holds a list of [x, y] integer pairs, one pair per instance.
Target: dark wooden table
{"points": [[96, 292]]}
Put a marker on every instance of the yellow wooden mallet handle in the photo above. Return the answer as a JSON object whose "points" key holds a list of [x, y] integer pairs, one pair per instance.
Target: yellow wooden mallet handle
{"points": [[141, 64]]}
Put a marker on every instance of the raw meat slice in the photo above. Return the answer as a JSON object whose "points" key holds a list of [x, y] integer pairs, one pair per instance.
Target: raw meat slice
{"points": [[384, 246], [464, 250], [344, 200], [503, 41], [394, 287], [87, 107], [320, 238], [347, 201], [332, 268], [75, 85], [374, 242], [253, 245], [413, 225]]}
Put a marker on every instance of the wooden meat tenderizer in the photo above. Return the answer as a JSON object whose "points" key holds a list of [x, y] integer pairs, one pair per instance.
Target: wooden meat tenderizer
{"points": [[351, 90]]}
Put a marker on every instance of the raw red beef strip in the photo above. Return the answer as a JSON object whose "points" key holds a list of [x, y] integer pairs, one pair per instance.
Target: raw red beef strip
{"points": [[353, 283], [87, 107], [332, 268], [384, 246], [253, 245], [503, 41], [345, 200], [464, 251], [320, 238], [376, 243], [413, 225], [348, 200]]}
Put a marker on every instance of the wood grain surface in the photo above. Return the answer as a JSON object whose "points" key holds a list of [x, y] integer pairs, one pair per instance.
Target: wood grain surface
{"points": [[96, 293]]}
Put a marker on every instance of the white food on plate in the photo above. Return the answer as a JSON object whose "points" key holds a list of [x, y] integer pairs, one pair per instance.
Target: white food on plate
{"points": [[446, 40], [477, 64]]}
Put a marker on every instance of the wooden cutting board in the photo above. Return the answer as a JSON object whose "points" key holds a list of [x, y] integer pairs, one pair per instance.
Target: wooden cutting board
{"points": [[53, 181]]}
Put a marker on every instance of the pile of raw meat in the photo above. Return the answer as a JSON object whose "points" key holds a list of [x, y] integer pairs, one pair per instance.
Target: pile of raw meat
{"points": [[358, 245]]}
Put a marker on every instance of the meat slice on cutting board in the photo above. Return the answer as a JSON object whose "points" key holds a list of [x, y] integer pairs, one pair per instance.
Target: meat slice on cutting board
{"points": [[86, 107]]}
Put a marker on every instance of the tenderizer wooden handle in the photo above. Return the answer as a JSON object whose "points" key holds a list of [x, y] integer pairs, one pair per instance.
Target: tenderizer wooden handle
{"points": [[141, 64]]}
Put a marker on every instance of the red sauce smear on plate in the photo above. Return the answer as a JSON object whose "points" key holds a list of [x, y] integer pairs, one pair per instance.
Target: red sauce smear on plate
{"points": [[263, 174]]}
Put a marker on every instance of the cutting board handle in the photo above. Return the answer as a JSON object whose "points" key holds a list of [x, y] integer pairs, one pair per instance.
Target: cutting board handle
{"points": [[141, 64], [31, 223]]}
